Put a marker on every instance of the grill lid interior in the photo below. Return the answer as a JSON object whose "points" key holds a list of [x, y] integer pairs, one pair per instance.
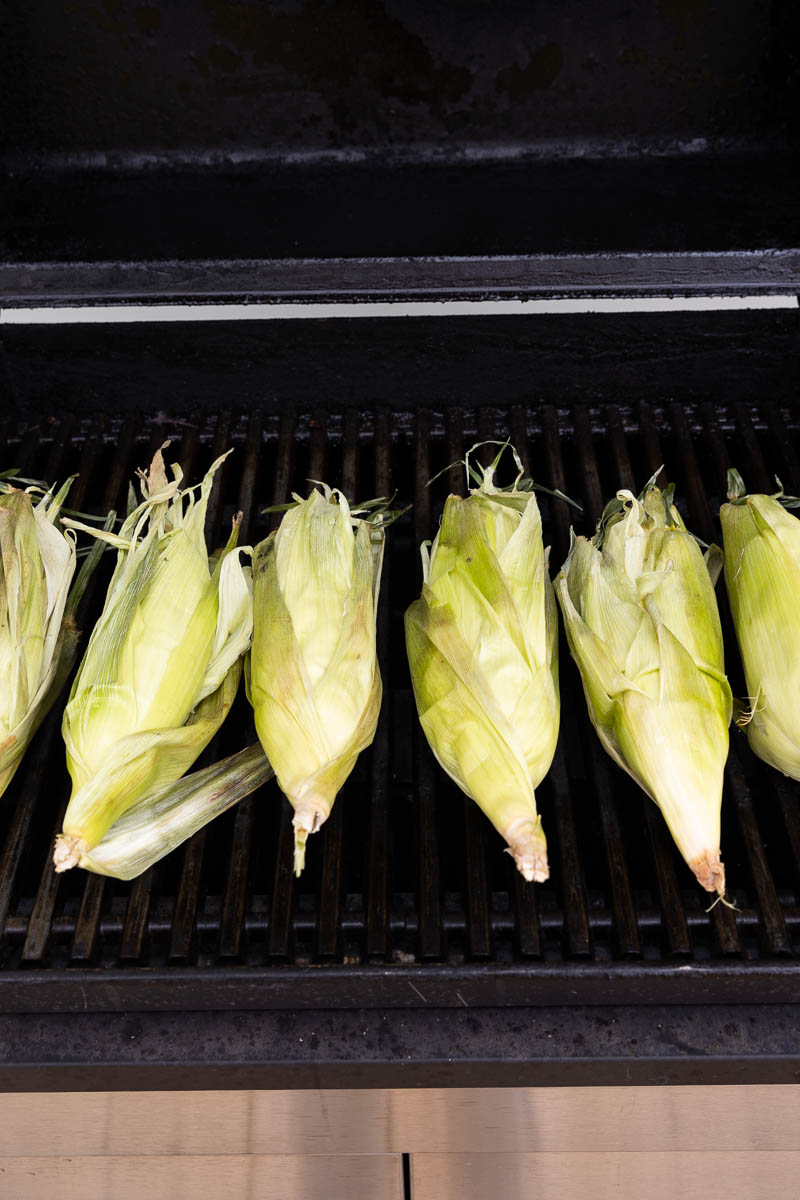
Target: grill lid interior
{"points": [[232, 132]]}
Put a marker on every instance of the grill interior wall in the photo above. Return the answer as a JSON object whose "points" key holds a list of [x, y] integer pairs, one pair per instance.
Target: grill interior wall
{"points": [[407, 871]]}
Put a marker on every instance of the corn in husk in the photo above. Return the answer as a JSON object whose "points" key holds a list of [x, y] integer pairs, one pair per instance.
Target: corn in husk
{"points": [[643, 626], [313, 676], [762, 575], [38, 636], [165, 818], [483, 653], [162, 665]]}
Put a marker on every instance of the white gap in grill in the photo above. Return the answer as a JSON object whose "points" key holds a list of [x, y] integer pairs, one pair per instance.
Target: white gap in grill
{"points": [[129, 313]]}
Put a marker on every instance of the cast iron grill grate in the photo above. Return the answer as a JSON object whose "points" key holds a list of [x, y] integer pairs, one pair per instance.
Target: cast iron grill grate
{"points": [[407, 896]]}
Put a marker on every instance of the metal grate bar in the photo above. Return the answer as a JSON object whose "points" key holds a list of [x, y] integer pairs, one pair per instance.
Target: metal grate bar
{"points": [[790, 811], [771, 915], [33, 775], [594, 498], [702, 523], [183, 940], [561, 512], [184, 922], [528, 931], [627, 932], [330, 900], [477, 890], [619, 449], [329, 840], [619, 875], [280, 925], [772, 918], [133, 943], [248, 465], [378, 874], [782, 448], [576, 918], [40, 922], [234, 902], [222, 442], [759, 478], [653, 455], [284, 464], [33, 772], [283, 880], [673, 912], [9, 398], [62, 436], [87, 928], [725, 928], [134, 933], [526, 906], [519, 435], [430, 941], [26, 450], [476, 882]]}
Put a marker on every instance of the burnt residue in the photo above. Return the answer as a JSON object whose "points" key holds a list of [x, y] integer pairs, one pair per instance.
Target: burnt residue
{"points": [[543, 68], [147, 19], [290, 77], [349, 51], [684, 13]]}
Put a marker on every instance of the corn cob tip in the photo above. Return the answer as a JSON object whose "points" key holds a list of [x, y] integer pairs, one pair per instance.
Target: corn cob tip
{"points": [[528, 848], [67, 852], [710, 871], [307, 819]]}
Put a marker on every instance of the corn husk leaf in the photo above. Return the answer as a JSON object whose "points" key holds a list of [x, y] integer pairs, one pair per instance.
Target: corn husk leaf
{"points": [[172, 632], [162, 820], [762, 576], [643, 627], [38, 635], [483, 655], [313, 676]]}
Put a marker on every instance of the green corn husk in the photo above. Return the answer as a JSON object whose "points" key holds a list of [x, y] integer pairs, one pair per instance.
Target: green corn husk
{"points": [[761, 541], [313, 676], [173, 629], [164, 819], [643, 626], [483, 654], [38, 636]]}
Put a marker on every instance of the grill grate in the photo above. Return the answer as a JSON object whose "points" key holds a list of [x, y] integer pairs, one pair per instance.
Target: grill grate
{"points": [[407, 884]]}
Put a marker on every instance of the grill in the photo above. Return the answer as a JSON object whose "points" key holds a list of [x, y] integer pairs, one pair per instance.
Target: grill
{"points": [[501, 175], [407, 899]]}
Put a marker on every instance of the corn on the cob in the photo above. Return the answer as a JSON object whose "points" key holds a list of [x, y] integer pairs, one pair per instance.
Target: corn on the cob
{"points": [[38, 637], [171, 632], [313, 676], [483, 653], [162, 820], [643, 626], [762, 575]]}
